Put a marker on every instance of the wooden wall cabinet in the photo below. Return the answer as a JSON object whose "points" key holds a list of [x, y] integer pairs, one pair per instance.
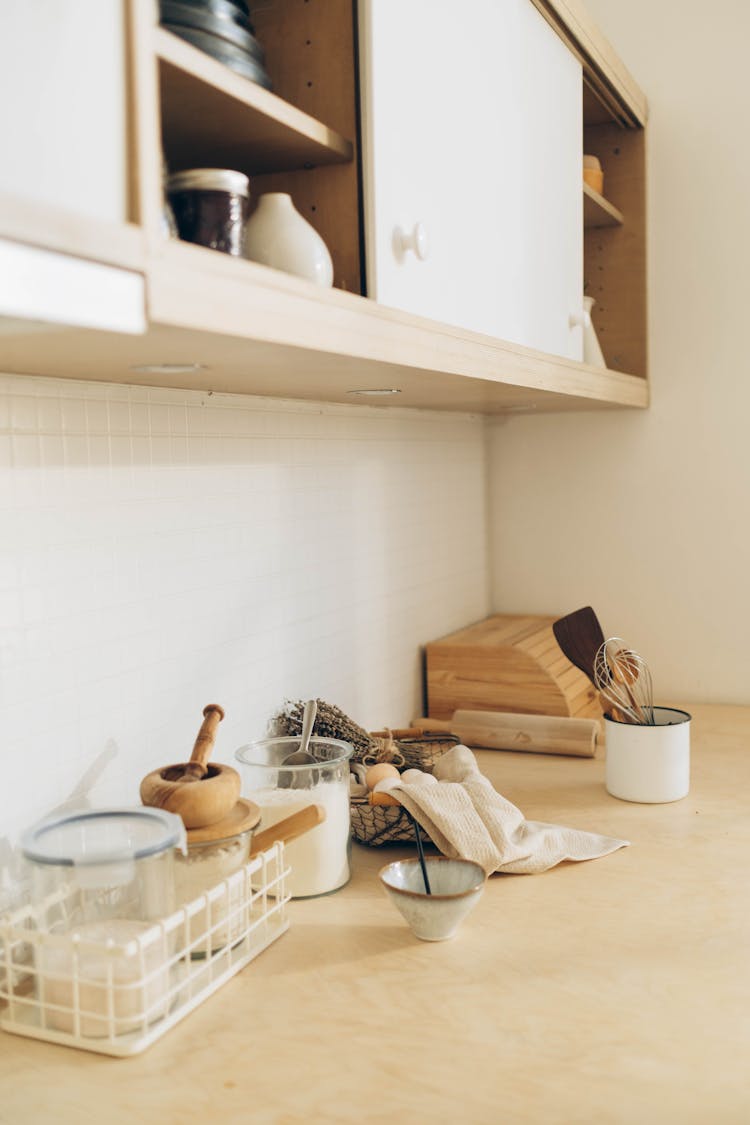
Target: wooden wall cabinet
{"points": [[223, 324]]}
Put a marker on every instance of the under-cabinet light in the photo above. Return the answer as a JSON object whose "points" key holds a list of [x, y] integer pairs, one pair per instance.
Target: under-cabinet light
{"points": [[377, 391], [169, 368]]}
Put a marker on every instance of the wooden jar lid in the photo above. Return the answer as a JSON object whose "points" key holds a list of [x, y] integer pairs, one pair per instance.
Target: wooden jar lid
{"points": [[244, 816]]}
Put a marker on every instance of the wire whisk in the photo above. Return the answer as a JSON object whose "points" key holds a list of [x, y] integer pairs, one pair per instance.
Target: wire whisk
{"points": [[623, 680]]}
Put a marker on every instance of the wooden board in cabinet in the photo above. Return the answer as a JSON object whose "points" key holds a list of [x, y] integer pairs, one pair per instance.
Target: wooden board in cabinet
{"points": [[213, 117], [294, 139], [599, 212], [310, 53]]}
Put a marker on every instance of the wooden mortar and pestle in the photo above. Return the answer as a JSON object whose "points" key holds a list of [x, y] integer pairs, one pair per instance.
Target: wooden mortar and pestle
{"points": [[200, 793]]}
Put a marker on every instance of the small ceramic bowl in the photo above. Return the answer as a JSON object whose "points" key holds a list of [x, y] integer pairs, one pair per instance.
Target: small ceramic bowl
{"points": [[456, 886]]}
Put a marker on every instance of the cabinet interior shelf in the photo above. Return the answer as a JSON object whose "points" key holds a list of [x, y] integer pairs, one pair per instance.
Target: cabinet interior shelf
{"points": [[212, 117], [598, 211]]}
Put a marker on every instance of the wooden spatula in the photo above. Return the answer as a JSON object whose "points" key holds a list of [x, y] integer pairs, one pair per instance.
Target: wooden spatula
{"points": [[580, 635]]}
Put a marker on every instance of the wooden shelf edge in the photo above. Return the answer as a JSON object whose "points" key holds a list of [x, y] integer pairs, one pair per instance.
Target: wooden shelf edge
{"points": [[266, 333], [603, 67], [598, 211], [229, 365], [64, 232], [328, 144], [251, 367], [251, 302]]}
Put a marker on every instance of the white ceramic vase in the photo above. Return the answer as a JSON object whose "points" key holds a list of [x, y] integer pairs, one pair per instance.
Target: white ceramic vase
{"points": [[278, 236], [592, 352]]}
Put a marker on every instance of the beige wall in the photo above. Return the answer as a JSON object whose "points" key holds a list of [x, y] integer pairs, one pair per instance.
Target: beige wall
{"points": [[646, 516]]}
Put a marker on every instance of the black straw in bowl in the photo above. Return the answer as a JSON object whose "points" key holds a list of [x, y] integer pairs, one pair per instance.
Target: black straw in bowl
{"points": [[420, 849]]}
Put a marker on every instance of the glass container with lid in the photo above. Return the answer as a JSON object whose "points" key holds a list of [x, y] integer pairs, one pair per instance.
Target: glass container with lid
{"points": [[111, 863], [210, 206], [214, 853], [319, 860], [100, 878]]}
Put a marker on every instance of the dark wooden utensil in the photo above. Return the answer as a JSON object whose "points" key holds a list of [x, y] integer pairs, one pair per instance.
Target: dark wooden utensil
{"points": [[580, 636]]}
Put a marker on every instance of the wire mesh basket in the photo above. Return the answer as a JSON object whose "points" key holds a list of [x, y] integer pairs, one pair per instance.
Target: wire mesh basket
{"points": [[374, 824], [411, 748], [118, 995]]}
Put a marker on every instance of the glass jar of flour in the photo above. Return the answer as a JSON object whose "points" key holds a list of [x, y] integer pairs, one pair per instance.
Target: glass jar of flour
{"points": [[214, 853], [319, 860]]}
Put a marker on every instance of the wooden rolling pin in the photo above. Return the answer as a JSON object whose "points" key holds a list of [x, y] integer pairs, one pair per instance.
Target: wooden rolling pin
{"points": [[500, 730]]}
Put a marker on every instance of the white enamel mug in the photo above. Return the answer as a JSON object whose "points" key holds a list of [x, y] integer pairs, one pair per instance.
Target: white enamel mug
{"points": [[649, 764]]}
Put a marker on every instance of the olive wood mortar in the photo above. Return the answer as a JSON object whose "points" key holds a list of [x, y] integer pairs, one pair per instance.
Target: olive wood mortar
{"points": [[201, 794]]}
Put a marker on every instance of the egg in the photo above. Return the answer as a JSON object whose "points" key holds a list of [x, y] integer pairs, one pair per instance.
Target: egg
{"points": [[418, 777], [378, 772]]}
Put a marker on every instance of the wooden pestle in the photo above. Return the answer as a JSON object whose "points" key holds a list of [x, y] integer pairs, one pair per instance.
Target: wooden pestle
{"points": [[501, 730], [199, 793], [197, 767]]}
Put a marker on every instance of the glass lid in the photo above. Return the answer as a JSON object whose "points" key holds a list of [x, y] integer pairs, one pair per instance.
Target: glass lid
{"points": [[101, 836]]}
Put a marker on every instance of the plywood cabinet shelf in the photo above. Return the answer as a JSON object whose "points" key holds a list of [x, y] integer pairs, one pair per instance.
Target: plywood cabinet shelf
{"points": [[599, 212], [212, 117]]}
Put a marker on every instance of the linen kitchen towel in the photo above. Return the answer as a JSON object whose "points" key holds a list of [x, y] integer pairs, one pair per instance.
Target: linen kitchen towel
{"points": [[466, 817]]}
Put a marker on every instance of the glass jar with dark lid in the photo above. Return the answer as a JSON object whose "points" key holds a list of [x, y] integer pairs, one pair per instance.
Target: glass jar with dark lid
{"points": [[210, 206]]}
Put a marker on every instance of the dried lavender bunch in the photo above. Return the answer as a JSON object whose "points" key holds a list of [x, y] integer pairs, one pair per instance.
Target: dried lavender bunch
{"points": [[330, 722]]}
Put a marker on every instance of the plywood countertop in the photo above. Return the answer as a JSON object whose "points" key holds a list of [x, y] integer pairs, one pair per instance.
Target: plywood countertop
{"points": [[605, 992]]}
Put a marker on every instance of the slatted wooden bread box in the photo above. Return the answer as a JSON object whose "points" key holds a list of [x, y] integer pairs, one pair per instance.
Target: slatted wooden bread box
{"points": [[506, 663]]}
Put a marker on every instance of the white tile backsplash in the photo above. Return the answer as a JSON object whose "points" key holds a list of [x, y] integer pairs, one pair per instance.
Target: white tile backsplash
{"points": [[162, 549]]}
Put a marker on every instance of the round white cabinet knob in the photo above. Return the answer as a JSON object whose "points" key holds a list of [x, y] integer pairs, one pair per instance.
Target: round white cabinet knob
{"points": [[416, 240]]}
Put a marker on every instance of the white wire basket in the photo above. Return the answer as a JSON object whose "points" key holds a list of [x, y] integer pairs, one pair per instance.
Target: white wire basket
{"points": [[117, 997]]}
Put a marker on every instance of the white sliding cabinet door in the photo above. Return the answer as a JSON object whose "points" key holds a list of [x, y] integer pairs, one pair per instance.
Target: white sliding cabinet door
{"points": [[471, 119], [550, 274], [63, 105]]}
